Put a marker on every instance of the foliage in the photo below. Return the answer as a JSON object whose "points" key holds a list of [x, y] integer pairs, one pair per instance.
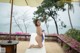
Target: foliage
{"points": [[48, 9], [74, 33]]}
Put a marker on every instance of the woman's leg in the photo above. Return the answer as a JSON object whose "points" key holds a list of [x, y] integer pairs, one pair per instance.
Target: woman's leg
{"points": [[39, 41]]}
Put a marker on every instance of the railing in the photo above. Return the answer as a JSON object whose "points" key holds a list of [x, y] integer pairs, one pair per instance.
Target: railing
{"points": [[14, 36], [72, 43], [26, 36]]}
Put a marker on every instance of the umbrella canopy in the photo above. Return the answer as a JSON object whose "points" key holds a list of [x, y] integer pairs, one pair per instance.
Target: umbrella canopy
{"points": [[33, 3]]}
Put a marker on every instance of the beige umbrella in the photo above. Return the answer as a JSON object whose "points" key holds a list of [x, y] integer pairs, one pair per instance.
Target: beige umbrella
{"points": [[33, 3]]}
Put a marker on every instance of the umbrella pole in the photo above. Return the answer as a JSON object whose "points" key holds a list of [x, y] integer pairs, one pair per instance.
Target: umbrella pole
{"points": [[11, 22]]}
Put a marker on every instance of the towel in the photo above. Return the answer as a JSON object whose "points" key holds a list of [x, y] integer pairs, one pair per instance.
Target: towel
{"points": [[33, 41]]}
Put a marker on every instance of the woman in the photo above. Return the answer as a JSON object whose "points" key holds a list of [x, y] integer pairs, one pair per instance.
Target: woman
{"points": [[39, 38]]}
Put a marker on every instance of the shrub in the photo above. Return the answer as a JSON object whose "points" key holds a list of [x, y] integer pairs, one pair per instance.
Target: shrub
{"points": [[74, 33]]}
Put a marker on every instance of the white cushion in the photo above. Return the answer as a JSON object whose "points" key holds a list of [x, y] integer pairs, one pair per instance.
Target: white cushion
{"points": [[33, 41]]}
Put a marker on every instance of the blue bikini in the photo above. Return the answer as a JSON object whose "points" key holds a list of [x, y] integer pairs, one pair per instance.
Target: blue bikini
{"points": [[42, 38]]}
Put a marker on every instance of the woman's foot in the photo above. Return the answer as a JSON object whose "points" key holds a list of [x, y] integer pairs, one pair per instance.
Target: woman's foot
{"points": [[31, 46]]}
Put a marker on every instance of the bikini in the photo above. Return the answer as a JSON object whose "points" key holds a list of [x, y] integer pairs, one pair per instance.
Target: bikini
{"points": [[42, 38]]}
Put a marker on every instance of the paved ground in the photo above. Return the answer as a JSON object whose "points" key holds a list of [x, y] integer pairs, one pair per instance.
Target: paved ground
{"points": [[51, 47]]}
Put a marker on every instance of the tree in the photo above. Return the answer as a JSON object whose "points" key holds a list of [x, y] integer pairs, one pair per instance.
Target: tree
{"points": [[79, 2], [17, 22], [70, 7], [18, 25], [25, 25], [23, 18], [45, 20], [49, 8]]}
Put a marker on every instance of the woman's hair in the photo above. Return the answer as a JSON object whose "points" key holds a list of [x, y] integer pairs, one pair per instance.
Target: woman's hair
{"points": [[35, 21]]}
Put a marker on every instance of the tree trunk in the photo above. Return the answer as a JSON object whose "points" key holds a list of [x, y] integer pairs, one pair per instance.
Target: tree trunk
{"points": [[56, 25], [46, 27], [25, 26], [70, 18], [18, 25], [79, 2]]}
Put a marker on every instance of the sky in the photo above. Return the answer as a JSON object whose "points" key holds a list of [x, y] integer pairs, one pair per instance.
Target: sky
{"points": [[26, 12]]}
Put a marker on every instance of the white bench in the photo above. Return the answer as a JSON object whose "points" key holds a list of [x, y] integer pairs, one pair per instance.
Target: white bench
{"points": [[33, 41]]}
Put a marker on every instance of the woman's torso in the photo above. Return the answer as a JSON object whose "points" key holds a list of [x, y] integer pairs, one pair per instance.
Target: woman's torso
{"points": [[39, 30], [40, 33]]}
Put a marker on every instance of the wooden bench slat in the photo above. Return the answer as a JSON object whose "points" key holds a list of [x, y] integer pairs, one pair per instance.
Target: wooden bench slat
{"points": [[70, 41]]}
